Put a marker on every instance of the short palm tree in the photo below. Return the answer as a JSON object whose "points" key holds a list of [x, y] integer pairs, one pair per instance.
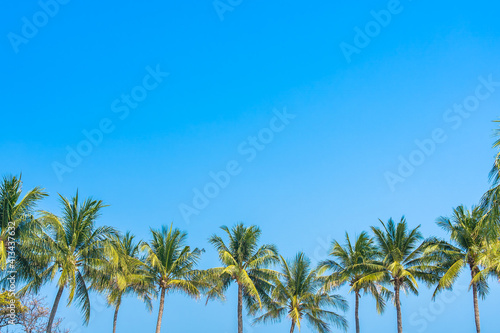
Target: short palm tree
{"points": [[349, 263], [72, 247], [17, 216], [299, 294], [469, 235], [172, 264], [123, 273], [245, 263], [402, 263]]}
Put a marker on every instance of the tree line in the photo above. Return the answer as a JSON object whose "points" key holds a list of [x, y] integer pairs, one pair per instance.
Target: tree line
{"points": [[78, 256]]}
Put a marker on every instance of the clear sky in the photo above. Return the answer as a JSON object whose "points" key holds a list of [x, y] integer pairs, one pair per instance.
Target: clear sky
{"points": [[354, 90]]}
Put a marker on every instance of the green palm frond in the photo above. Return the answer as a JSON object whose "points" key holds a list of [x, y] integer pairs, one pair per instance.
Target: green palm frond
{"points": [[298, 293], [69, 249], [123, 272], [404, 258], [171, 263], [244, 263], [356, 265], [470, 233], [18, 218]]}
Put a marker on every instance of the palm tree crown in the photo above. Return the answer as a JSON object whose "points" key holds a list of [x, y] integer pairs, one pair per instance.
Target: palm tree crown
{"points": [[72, 248], [491, 199], [349, 263], [470, 233], [172, 265], [17, 216], [123, 273], [299, 294], [245, 263], [402, 263]]}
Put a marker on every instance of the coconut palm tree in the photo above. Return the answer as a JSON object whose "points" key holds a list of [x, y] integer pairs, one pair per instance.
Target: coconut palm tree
{"points": [[123, 273], [172, 265], [72, 248], [244, 263], [491, 199], [349, 263], [402, 263], [299, 294], [17, 219], [469, 236]]}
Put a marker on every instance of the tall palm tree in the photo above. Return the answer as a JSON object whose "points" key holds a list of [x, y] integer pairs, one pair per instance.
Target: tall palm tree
{"points": [[469, 235], [402, 262], [123, 273], [244, 263], [491, 199], [72, 247], [172, 265], [349, 264], [299, 294], [17, 216]]}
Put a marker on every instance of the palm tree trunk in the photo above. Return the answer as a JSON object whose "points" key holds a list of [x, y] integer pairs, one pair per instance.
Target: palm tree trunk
{"points": [[398, 308], [476, 305], [160, 312], [356, 312], [54, 309], [240, 309], [115, 318], [293, 326]]}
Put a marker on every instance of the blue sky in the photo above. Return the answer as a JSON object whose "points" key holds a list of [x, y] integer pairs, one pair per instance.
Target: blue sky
{"points": [[324, 172]]}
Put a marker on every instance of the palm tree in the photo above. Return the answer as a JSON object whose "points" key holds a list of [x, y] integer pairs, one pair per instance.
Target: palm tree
{"points": [[172, 265], [245, 263], [123, 274], [17, 216], [469, 235], [298, 294], [402, 262], [349, 264], [72, 247], [491, 199]]}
